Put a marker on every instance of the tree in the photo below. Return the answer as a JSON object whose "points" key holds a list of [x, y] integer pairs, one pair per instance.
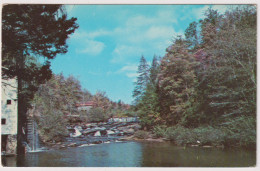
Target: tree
{"points": [[32, 30], [232, 69], [97, 115], [177, 81], [142, 80], [52, 102], [154, 70], [191, 36]]}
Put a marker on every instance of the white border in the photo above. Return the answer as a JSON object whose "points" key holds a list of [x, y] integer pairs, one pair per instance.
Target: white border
{"points": [[141, 2]]}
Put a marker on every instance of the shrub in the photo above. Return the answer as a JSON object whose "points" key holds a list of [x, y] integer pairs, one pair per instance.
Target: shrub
{"points": [[240, 131], [180, 135], [141, 134], [205, 135], [209, 135], [159, 131]]}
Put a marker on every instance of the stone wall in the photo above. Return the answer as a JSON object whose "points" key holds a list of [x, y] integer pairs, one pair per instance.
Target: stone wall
{"points": [[9, 145]]}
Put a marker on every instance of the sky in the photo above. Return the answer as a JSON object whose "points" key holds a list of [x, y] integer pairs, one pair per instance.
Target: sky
{"points": [[104, 52]]}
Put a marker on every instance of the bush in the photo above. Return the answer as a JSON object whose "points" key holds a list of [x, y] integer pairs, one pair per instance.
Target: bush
{"points": [[209, 135], [159, 131], [141, 134], [240, 131], [182, 136], [52, 126], [96, 115]]}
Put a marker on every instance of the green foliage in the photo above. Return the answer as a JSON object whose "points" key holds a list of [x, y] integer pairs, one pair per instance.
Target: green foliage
{"points": [[177, 83], [141, 134], [52, 126], [28, 30], [54, 100], [147, 103], [96, 115], [240, 131], [159, 131], [186, 136], [209, 135], [142, 80], [207, 83]]}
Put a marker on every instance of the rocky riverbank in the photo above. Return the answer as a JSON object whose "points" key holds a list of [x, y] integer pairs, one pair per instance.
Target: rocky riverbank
{"points": [[96, 133]]}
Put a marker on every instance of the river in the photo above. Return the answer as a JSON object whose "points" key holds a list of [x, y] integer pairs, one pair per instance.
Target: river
{"points": [[135, 154]]}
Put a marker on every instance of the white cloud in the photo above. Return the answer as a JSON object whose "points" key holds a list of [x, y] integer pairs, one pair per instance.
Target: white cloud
{"points": [[130, 70], [132, 75], [161, 32], [221, 8], [90, 35], [143, 35], [199, 12], [122, 52], [92, 47], [131, 67]]}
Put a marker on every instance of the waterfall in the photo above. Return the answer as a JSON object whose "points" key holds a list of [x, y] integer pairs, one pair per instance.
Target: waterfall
{"points": [[33, 136]]}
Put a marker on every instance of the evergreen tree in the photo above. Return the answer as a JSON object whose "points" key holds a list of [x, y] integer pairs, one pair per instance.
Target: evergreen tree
{"points": [[142, 80], [32, 30], [191, 36], [148, 106], [154, 70]]}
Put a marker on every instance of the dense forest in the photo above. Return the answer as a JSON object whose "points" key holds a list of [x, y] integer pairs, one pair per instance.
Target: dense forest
{"points": [[204, 88]]}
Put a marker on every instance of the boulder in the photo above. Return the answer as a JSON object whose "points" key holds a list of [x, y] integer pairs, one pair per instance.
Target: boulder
{"points": [[97, 134], [88, 131], [76, 134], [72, 145], [129, 131], [97, 142], [109, 132], [103, 132]]}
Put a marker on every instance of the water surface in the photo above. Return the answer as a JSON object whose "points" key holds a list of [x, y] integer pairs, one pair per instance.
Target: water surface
{"points": [[135, 154]]}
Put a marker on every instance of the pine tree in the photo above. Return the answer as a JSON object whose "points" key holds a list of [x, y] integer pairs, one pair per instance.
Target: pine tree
{"points": [[32, 30], [142, 80]]}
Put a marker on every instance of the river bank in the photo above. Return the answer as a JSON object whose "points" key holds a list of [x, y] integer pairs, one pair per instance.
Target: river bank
{"points": [[109, 132]]}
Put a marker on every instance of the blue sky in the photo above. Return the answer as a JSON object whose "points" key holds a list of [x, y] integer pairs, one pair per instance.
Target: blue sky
{"points": [[104, 52]]}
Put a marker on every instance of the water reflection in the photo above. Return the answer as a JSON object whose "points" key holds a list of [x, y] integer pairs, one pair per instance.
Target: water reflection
{"points": [[134, 154], [168, 155]]}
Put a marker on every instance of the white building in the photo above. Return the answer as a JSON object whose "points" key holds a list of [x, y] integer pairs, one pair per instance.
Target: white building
{"points": [[9, 116]]}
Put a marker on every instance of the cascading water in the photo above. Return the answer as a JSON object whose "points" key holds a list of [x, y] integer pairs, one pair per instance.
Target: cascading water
{"points": [[33, 136]]}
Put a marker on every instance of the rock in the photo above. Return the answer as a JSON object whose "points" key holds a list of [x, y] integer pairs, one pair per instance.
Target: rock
{"points": [[97, 142], [129, 131], [88, 131], [72, 145], [103, 133], [109, 132], [120, 133], [76, 134], [97, 134], [78, 128]]}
